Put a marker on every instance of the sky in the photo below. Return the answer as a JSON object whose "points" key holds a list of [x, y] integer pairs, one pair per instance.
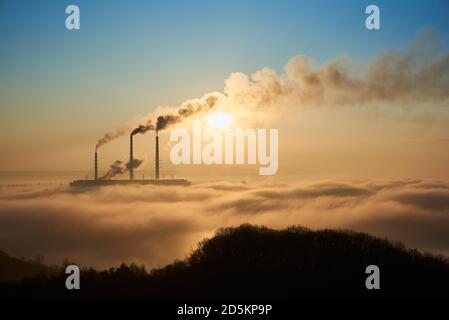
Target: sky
{"points": [[61, 90]]}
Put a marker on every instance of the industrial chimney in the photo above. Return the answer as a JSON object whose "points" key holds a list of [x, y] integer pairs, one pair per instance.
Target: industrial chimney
{"points": [[131, 157], [96, 166], [156, 173]]}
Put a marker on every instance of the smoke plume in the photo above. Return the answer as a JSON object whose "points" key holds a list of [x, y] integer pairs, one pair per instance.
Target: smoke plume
{"points": [[391, 78], [109, 136], [115, 169], [119, 167], [135, 164], [143, 128], [186, 110], [394, 77]]}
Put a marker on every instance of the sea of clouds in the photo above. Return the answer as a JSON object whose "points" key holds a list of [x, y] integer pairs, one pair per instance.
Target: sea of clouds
{"points": [[155, 225]]}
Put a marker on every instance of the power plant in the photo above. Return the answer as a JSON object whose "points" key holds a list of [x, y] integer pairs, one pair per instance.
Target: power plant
{"points": [[118, 169]]}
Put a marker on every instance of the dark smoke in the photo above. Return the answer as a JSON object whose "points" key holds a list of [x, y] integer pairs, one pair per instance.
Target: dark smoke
{"points": [[110, 136], [165, 121], [118, 167], [115, 169], [184, 112], [143, 128], [390, 77], [135, 164]]}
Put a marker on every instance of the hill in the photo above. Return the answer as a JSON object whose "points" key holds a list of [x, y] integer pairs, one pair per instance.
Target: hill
{"points": [[257, 262], [13, 269]]}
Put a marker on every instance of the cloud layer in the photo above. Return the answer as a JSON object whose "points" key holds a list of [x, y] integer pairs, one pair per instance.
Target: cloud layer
{"points": [[154, 225]]}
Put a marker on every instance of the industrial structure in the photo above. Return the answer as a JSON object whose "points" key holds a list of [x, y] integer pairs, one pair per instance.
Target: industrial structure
{"points": [[96, 166], [156, 161], [97, 181], [131, 157]]}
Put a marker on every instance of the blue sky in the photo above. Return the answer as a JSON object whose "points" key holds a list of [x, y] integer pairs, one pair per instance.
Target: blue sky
{"points": [[131, 56]]}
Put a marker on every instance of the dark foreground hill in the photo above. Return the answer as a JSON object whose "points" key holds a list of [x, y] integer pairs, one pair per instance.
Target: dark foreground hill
{"points": [[13, 269], [256, 262]]}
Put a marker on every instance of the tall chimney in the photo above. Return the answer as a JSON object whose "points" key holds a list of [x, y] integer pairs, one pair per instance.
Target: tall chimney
{"points": [[131, 158], [156, 173], [96, 166]]}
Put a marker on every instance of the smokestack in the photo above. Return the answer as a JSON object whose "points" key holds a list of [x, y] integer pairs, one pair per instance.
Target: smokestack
{"points": [[131, 157], [96, 166], [156, 173]]}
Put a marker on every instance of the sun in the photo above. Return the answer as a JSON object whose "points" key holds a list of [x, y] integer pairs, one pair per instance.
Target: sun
{"points": [[219, 120]]}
